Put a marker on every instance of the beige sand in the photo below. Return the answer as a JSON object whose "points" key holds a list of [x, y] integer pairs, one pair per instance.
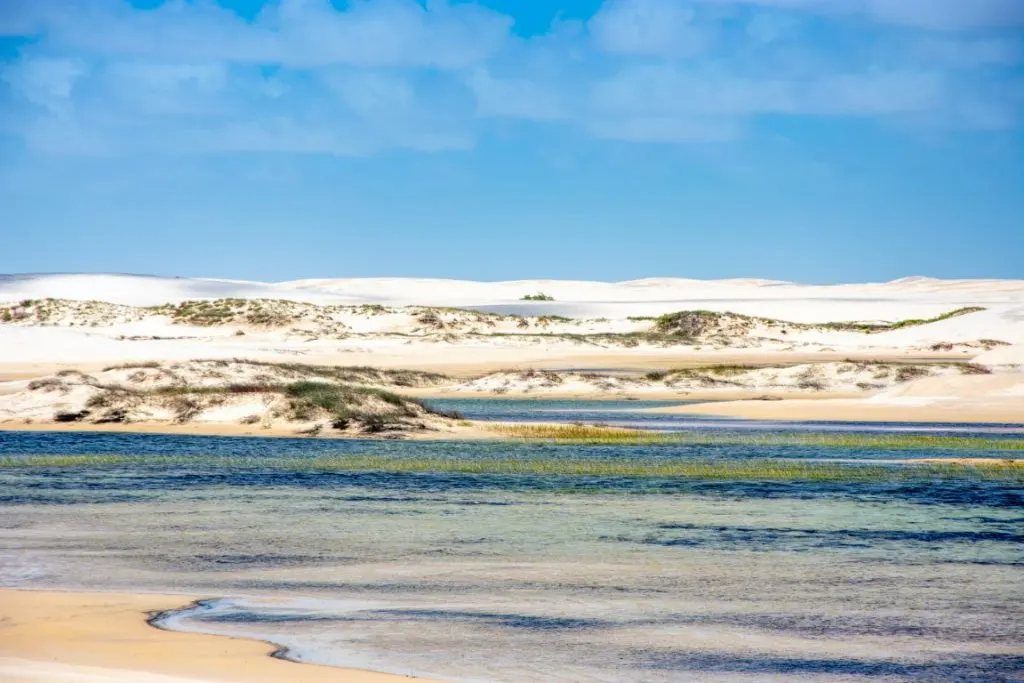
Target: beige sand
{"points": [[855, 410], [978, 398], [57, 637]]}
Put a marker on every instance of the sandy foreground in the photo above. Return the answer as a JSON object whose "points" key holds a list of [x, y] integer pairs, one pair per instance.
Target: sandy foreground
{"points": [[58, 637]]}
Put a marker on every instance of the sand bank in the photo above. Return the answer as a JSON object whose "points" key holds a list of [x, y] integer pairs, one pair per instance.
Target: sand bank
{"points": [[997, 398], [856, 410], [57, 637]]}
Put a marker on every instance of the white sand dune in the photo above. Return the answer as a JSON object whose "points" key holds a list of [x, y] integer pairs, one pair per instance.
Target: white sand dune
{"points": [[898, 299], [607, 307], [383, 322], [144, 290]]}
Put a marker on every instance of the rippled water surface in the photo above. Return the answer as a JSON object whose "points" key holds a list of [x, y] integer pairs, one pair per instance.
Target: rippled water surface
{"points": [[529, 578]]}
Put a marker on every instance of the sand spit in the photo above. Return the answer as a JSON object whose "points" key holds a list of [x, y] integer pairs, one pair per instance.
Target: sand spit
{"points": [[58, 637], [993, 398]]}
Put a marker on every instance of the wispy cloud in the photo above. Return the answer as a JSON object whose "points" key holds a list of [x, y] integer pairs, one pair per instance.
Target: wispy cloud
{"points": [[103, 77], [297, 33], [650, 27]]}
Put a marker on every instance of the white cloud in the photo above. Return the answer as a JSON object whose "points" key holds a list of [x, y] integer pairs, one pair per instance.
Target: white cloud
{"points": [[193, 77], [292, 32]]}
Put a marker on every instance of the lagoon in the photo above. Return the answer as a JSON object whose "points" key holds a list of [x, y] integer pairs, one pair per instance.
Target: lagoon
{"points": [[498, 576]]}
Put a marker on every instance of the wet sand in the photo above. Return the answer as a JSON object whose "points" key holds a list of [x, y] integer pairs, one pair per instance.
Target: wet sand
{"points": [[58, 637]]}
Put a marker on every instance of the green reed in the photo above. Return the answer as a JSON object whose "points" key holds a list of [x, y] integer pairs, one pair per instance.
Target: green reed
{"points": [[598, 435], [760, 469], [754, 469]]}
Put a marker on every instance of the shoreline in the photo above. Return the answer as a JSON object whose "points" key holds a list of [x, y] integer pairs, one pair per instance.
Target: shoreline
{"points": [[227, 429], [57, 636]]}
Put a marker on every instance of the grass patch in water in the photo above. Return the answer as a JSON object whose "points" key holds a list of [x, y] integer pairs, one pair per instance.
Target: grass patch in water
{"points": [[701, 469], [598, 434], [762, 469]]}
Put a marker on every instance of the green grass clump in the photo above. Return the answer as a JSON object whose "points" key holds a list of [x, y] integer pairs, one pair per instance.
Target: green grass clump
{"points": [[723, 370], [692, 324], [913, 322], [216, 390], [699, 323], [34, 461], [539, 296], [347, 403], [967, 310], [144, 365], [581, 433]]}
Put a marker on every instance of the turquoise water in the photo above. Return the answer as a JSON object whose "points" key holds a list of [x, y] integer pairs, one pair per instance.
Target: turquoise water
{"points": [[528, 578]]}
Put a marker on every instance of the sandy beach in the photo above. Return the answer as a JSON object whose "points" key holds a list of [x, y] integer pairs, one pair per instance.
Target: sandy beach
{"points": [[67, 637]]}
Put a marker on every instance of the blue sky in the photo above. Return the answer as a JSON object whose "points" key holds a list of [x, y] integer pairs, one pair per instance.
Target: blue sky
{"points": [[808, 140]]}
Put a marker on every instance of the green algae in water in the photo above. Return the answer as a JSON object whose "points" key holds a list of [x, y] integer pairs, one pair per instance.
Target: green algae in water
{"points": [[751, 469], [597, 434]]}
